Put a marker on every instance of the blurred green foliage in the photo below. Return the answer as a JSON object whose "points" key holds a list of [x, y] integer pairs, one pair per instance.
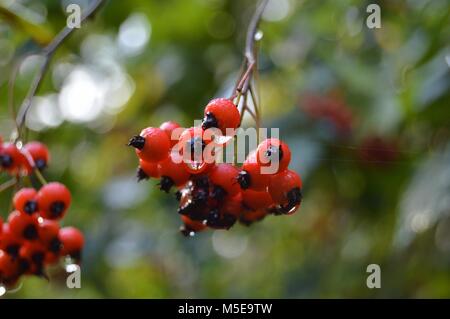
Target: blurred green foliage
{"points": [[376, 193]]}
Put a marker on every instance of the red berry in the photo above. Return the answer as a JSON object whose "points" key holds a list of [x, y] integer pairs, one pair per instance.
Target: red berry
{"points": [[251, 175], [25, 201], [48, 232], [147, 170], [248, 217], [39, 153], [23, 226], [32, 257], [9, 242], [169, 127], [232, 206], [190, 227], [285, 189], [151, 145], [222, 114], [272, 151], [255, 200], [53, 200], [72, 241], [8, 266], [226, 176], [172, 172], [11, 159]]}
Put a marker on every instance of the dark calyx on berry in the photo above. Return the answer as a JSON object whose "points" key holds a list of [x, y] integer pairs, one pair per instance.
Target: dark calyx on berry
{"points": [[216, 220], [166, 183], [40, 164], [137, 141], [209, 121], [55, 245], [202, 182], [199, 196], [178, 195], [13, 250], [30, 207], [244, 179], [294, 197], [30, 232], [218, 192], [272, 152], [24, 265], [6, 161], [140, 174], [57, 208]]}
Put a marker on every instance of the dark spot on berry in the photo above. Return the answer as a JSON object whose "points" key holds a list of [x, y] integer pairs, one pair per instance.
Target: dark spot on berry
{"points": [[24, 265], [57, 209], [202, 182], [272, 151], [30, 232], [294, 197], [218, 193], [200, 197], [55, 245], [244, 179], [178, 195], [30, 207], [197, 146], [76, 255], [140, 174], [137, 141], [166, 184], [13, 250], [209, 121], [38, 258], [40, 164], [6, 161]]}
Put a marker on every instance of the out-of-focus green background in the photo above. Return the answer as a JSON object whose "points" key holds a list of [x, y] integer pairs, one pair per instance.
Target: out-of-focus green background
{"points": [[365, 111]]}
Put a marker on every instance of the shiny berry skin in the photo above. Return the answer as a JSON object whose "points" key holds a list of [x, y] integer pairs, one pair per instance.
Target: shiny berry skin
{"points": [[272, 151], [48, 232], [222, 114], [8, 266], [24, 226], [232, 205], [39, 153], [53, 200], [152, 145], [11, 159], [169, 127], [191, 226], [251, 176], [72, 241], [256, 200], [285, 189], [193, 142], [248, 217], [147, 170], [172, 172], [225, 175], [25, 201]]}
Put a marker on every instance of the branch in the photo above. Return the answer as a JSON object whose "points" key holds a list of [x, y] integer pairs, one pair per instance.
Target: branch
{"points": [[47, 53], [251, 32]]}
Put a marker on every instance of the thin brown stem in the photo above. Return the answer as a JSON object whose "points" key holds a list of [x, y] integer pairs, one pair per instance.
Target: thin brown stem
{"points": [[48, 52], [8, 184]]}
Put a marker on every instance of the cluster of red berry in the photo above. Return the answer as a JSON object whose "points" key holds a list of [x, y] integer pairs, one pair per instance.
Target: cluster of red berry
{"points": [[31, 237], [212, 194]]}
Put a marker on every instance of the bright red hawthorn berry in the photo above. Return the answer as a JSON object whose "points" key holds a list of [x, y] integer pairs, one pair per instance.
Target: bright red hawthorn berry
{"points": [[169, 127], [53, 200], [152, 145], [24, 226], [48, 232], [39, 153], [191, 226], [285, 189], [225, 175], [232, 205], [8, 266], [72, 241], [147, 170], [9, 242], [173, 172], [272, 151], [222, 114], [25, 201], [11, 159], [251, 175], [32, 256], [248, 216]]}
